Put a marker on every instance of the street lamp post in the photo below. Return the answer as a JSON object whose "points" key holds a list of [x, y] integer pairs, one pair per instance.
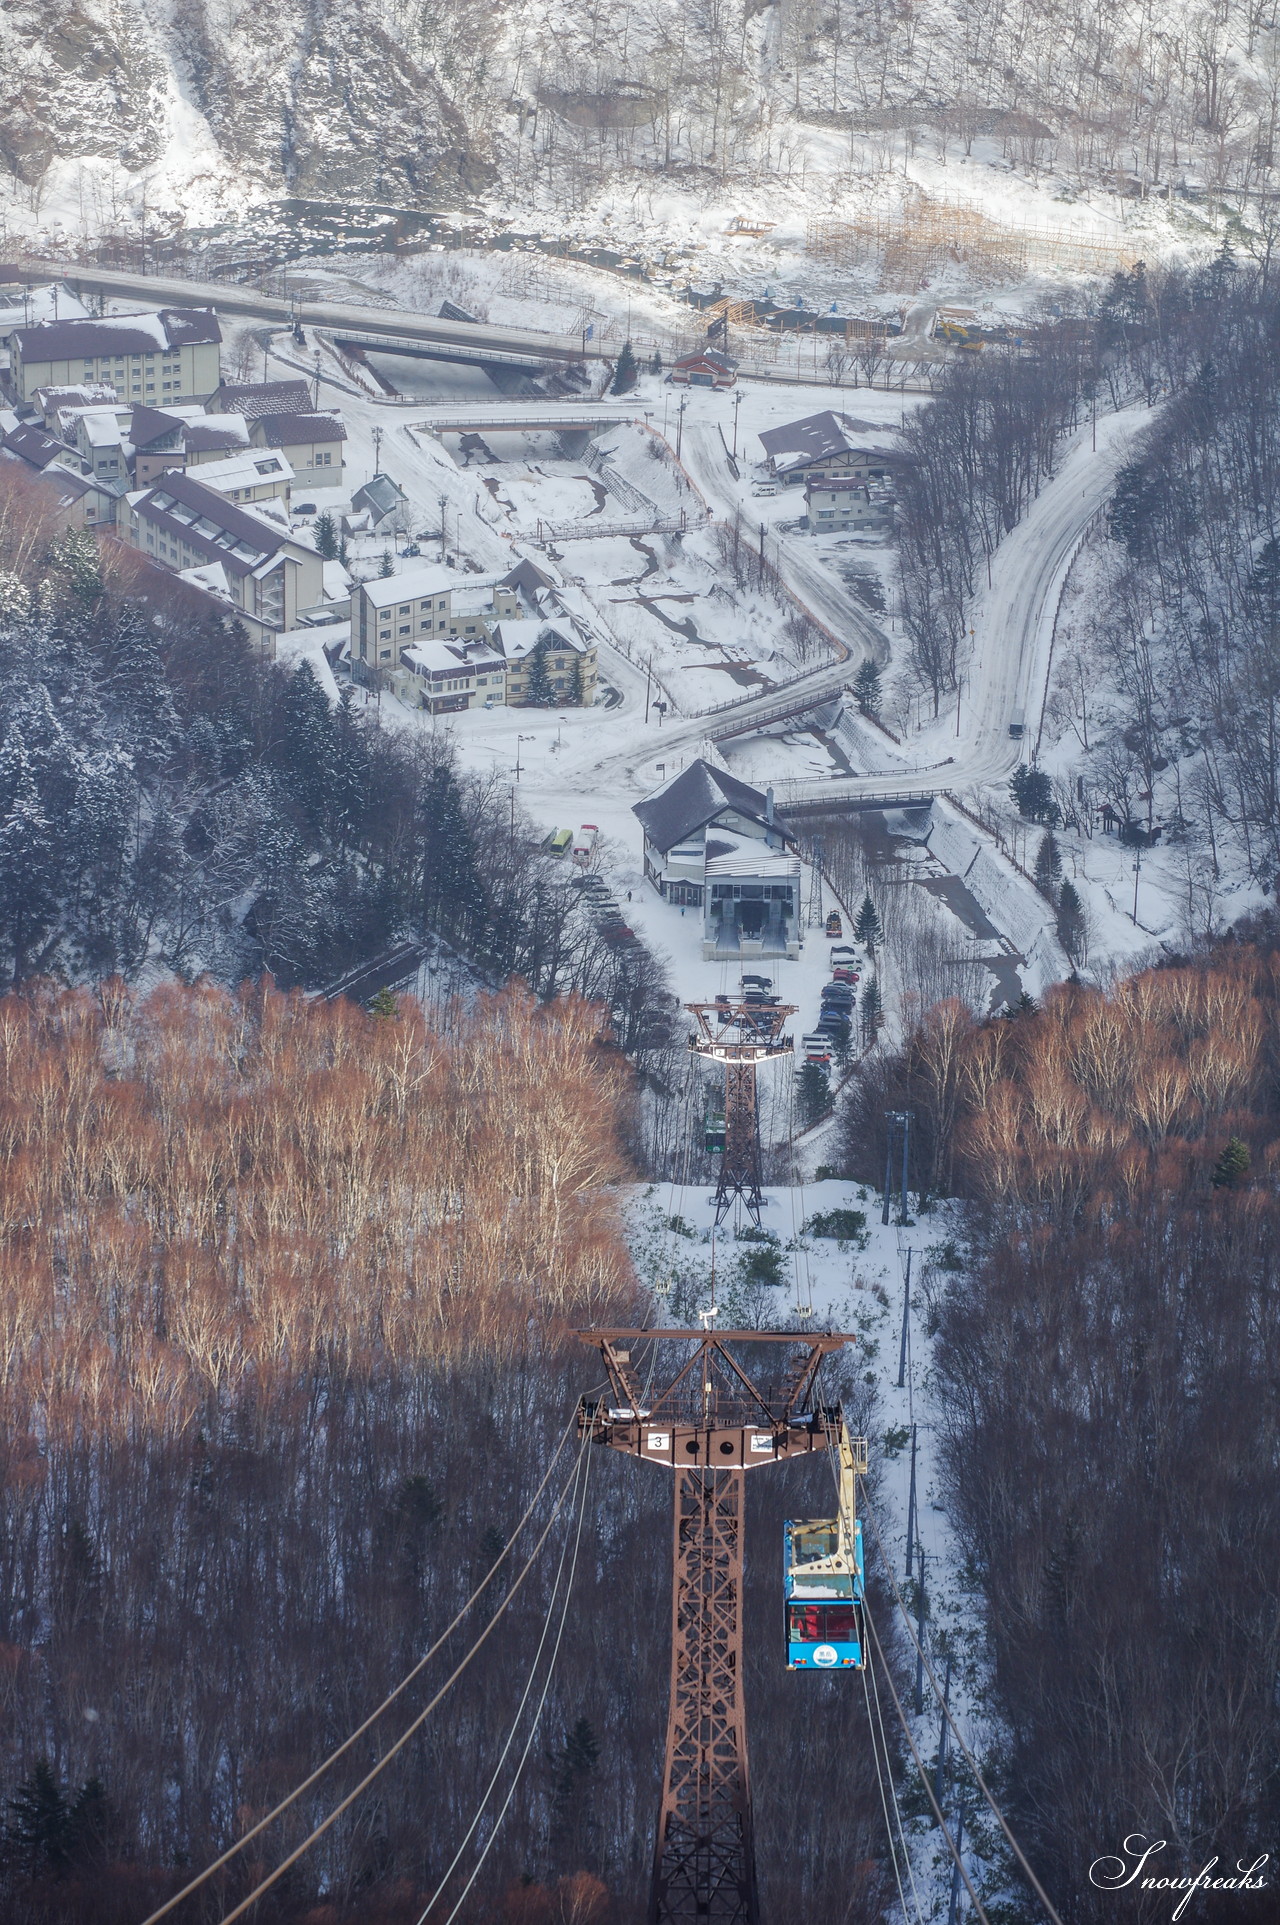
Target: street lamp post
{"points": [[519, 740]]}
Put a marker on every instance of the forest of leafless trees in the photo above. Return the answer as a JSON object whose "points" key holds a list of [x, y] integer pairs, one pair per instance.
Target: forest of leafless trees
{"points": [[1107, 1361], [287, 1301]]}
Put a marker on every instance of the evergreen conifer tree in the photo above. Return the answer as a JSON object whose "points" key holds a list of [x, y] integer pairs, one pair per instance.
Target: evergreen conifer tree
{"points": [[866, 688], [1233, 1166], [386, 567], [1048, 869], [452, 893], [813, 1094], [39, 1831], [304, 743], [1071, 922], [539, 693], [326, 537], [626, 372], [872, 1011], [866, 927]]}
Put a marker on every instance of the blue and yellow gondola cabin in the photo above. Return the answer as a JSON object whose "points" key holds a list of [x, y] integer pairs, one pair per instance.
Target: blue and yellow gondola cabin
{"points": [[824, 1579]]}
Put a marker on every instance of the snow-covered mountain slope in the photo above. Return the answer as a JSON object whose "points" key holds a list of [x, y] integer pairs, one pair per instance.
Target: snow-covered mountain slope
{"points": [[549, 106]]}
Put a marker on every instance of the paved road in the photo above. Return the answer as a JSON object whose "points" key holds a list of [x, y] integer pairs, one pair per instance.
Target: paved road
{"points": [[337, 316], [1013, 623]]}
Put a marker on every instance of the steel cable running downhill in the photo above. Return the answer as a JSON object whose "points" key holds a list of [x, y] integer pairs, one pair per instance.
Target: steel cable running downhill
{"points": [[340, 1751], [925, 1779], [519, 1713], [956, 1732], [393, 1751]]}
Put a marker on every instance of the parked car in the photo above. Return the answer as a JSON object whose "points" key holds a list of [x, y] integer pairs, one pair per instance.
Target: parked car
{"points": [[838, 994]]}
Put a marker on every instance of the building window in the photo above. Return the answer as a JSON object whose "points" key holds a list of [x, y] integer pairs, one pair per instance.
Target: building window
{"points": [[406, 628], [386, 655]]}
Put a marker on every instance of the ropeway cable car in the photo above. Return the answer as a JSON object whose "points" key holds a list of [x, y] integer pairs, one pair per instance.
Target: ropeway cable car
{"points": [[714, 1132], [824, 1578]]}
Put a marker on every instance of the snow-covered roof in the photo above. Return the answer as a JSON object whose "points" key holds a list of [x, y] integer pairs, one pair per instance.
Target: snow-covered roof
{"points": [[86, 394], [724, 363], [100, 428], [248, 470], [519, 638], [211, 576], [447, 654], [431, 579], [117, 334], [256, 399], [751, 858], [689, 800], [147, 426], [820, 436]]}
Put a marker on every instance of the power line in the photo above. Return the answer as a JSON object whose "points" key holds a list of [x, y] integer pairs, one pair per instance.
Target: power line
{"points": [[391, 1696], [958, 1735]]}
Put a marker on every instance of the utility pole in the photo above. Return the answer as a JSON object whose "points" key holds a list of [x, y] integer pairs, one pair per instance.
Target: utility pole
{"points": [[920, 1609], [737, 403], [906, 1312], [815, 883], [955, 1869], [315, 385], [710, 1424], [684, 402], [444, 503], [911, 1508], [940, 1775], [740, 1035], [648, 684], [895, 1119], [377, 451]]}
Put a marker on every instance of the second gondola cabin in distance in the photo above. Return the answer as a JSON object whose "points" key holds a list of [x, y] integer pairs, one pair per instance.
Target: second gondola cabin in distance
{"points": [[824, 1578]]}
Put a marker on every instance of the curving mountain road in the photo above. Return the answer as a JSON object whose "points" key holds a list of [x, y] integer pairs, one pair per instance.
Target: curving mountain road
{"points": [[1013, 624]]}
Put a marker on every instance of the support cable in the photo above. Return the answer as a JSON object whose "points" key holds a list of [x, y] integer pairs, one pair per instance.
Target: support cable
{"points": [[957, 1734], [925, 1777], [893, 1789], [883, 1746], [884, 1806], [533, 1728], [391, 1696]]}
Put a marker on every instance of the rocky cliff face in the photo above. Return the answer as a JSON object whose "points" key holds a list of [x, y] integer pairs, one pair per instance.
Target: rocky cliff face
{"points": [[307, 97]]}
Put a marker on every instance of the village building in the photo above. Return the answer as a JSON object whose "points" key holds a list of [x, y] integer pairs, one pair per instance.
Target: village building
{"points": [[830, 444], [839, 501], [492, 620], [172, 355], [249, 475], [714, 843], [311, 443], [705, 368], [568, 657], [272, 574]]}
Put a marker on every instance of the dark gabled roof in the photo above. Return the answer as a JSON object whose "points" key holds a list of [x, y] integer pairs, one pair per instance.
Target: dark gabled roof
{"points": [[717, 357], [149, 425], [691, 799], [528, 581], [815, 436], [380, 496], [116, 334], [263, 536], [36, 446], [284, 430], [257, 398]]}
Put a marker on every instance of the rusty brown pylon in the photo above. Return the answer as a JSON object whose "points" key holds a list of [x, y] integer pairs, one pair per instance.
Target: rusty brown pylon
{"points": [[710, 1423], [741, 1035]]}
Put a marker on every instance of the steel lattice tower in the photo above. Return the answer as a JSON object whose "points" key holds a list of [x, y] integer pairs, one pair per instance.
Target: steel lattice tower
{"points": [[741, 1035], [709, 1424]]}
